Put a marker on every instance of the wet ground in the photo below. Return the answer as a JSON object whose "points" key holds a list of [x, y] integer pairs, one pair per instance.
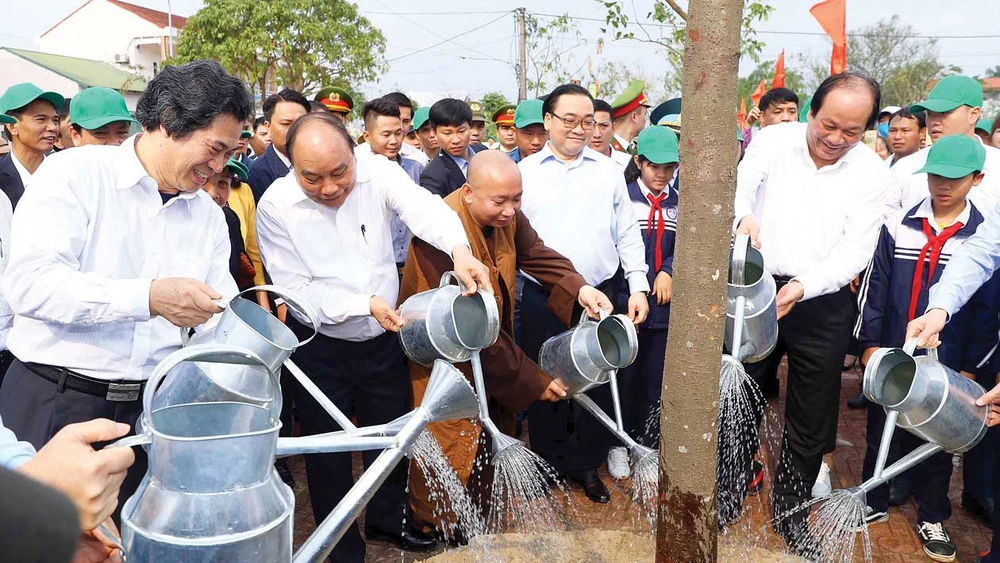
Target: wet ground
{"points": [[892, 541]]}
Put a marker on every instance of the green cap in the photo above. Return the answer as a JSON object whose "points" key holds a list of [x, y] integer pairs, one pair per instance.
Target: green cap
{"points": [[955, 156], [951, 92], [528, 112], [238, 168], [477, 112], [94, 108], [804, 112], [630, 99], [985, 125], [20, 95], [658, 145], [420, 117], [246, 134]]}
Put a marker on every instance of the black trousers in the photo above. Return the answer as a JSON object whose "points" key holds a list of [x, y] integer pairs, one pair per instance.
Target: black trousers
{"points": [[815, 336], [929, 479], [35, 409], [977, 463], [369, 381], [562, 433], [994, 555], [641, 385]]}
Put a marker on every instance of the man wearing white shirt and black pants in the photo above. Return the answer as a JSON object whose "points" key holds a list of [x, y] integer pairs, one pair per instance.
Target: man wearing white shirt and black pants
{"points": [[324, 233], [812, 197], [113, 249], [576, 199]]}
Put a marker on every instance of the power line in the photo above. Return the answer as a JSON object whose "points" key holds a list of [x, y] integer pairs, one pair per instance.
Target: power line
{"points": [[438, 44], [467, 48], [366, 13]]}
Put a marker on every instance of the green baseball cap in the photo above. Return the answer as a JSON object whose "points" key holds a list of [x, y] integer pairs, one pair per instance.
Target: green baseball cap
{"points": [[4, 118], [985, 125], [420, 117], [528, 112], [20, 95], [951, 92], [95, 107], [955, 156], [238, 168], [658, 145]]}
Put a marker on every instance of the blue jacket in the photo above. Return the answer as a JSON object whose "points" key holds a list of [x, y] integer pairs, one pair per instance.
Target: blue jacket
{"points": [[969, 340], [264, 171]]}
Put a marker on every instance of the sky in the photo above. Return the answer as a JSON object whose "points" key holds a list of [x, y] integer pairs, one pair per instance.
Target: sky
{"points": [[424, 57]]}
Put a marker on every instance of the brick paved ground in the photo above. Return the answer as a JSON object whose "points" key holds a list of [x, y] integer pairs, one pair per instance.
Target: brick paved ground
{"points": [[892, 541]]}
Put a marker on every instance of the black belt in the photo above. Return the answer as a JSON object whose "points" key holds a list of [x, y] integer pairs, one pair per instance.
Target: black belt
{"points": [[117, 391]]}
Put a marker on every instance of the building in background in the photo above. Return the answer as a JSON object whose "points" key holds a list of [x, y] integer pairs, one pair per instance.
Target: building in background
{"points": [[66, 75]]}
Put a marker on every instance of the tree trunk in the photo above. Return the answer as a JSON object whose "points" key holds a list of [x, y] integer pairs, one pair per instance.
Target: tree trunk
{"points": [[686, 519]]}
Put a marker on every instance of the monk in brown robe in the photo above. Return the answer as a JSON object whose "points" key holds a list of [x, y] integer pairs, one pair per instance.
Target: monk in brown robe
{"points": [[501, 238]]}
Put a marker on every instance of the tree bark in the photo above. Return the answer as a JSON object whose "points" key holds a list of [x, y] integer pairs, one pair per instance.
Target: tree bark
{"points": [[686, 518]]}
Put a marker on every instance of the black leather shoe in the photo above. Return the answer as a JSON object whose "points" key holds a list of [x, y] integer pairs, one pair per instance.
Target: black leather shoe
{"points": [[286, 475], [593, 486], [859, 401], [980, 509], [407, 540]]}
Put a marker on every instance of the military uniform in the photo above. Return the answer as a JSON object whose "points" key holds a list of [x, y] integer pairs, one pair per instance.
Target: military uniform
{"points": [[337, 100], [628, 101]]}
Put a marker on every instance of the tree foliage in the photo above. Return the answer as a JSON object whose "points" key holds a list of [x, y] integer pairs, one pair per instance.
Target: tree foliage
{"points": [[550, 52], [298, 44], [794, 81]]}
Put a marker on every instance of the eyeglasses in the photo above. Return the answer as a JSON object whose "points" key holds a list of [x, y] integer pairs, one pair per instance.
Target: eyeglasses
{"points": [[572, 122]]}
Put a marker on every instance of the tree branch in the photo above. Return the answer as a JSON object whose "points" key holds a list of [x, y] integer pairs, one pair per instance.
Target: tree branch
{"points": [[677, 9]]}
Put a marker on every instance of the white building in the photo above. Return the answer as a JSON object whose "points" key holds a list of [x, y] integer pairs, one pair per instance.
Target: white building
{"points": [[131, 37], [66, 75]]}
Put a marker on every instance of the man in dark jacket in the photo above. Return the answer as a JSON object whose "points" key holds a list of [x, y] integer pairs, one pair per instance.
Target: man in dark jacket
{"points": [[280, 111], [451, 120]]}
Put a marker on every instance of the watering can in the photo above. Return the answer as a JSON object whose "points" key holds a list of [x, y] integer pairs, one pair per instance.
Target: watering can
{"points": [[752, 291], [445, 324], [585, 356]]}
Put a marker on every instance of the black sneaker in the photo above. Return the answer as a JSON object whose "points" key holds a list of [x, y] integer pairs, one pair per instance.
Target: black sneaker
{"points": [[286, 474], [937, 543], [756, 481], [873, 517]]}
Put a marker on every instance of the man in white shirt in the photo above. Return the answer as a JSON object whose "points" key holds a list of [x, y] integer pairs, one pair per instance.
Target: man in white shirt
{"points": [[811, 196], [406, 116], [953, 107], [32, 135], [113, 249], [324, 233], [576, 200]]}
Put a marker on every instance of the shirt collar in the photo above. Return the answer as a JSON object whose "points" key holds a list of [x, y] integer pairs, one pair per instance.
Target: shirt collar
{"points": [[132, 173], [586, 154], [799, 142], [926, 211], [21, 169], [284, 159]]}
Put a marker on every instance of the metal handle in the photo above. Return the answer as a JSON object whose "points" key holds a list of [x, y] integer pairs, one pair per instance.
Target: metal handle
{"points": [[737, 267], [296, 301], [130, 441], [114, 539], [451, 274], [910, 347], [601, 315]]}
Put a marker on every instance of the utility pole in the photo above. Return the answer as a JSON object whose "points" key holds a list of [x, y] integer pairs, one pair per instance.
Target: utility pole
{"points": [[170, 30], [686, 516], [522, 56]]}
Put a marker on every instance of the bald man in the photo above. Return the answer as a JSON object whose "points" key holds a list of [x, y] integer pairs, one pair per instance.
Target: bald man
{"points": [[501, 237]]}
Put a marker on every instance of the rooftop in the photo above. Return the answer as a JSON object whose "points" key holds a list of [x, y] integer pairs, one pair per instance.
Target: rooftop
{"points": [[84, 72], [155, 17]]}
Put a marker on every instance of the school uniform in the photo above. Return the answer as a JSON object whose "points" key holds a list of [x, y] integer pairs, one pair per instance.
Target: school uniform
{"points": [[642, 381], [911, 254]]}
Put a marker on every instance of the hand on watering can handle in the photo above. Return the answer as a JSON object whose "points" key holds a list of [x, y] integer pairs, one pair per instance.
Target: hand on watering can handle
{"points": [[386, 316], [749, 226], [101, 545], [992, 399], [470, 271], [184, 302], [926, 329], [593, 301]]}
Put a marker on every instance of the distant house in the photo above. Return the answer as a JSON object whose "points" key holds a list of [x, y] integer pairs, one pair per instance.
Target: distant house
{"points": [[66, 75], [128, 36]]}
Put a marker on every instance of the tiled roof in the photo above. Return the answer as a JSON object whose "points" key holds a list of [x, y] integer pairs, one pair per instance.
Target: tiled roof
{"points": [[155, 17]]}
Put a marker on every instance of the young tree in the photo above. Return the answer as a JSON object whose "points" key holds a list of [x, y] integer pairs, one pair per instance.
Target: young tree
{"points": [[299, 44], [550, 52]]}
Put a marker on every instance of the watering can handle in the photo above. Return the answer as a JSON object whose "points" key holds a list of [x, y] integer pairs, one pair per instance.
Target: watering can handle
{"points": [[910, 347], [738, 266], [602, 314], [295, 301], [450, 275]]}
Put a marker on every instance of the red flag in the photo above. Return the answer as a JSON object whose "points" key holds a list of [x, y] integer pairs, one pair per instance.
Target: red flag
{"points": [[741, 118], [832, 17], [779, 72], [758, 93]]}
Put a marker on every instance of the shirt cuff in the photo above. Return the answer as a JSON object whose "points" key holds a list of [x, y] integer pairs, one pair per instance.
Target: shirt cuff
{"points": [[359, 305], [810, 287], [637, 282], [18, 460], [946, 303], [132, 297]]}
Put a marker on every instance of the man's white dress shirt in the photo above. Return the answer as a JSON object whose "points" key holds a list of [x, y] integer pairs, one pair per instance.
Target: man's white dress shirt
{"points": [[581, 209], [21, 170], [907, 189], [91, 236], [337, 259], [621, 159], [818, 226]]}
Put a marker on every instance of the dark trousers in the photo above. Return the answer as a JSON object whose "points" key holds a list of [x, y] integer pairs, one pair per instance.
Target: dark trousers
{"points": [[641, 385], [815, 336], [6, 358], [35, 409], [563, 434], [368, 381], [929, 479], [977, 463], [994, 555]]}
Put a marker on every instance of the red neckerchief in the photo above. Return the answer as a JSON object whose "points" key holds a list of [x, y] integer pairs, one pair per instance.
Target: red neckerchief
{"points": [[657, 222], [932, 250]]}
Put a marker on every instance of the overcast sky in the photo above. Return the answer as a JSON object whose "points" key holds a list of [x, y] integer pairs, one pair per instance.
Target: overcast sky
{"points": [[482, 60]]}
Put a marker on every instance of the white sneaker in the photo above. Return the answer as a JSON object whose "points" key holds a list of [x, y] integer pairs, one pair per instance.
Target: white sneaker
{"points": [[822, 488], [618, 463]]}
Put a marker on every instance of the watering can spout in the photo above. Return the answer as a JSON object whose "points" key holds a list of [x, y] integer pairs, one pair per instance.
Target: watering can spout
{"points": [[448, 395], [502, 441]]}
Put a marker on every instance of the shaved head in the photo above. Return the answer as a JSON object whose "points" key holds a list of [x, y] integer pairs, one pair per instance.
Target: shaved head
{"points": [[493, 190]]}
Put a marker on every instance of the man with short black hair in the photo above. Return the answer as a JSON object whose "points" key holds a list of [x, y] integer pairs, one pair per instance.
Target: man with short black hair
{"points": [[451, 120], [529, 129], [260, 139], [906, 131], [406, 109], [280, 112], [99, 293], [99, 116], [32, 135], [778, 105], [604, 133]]}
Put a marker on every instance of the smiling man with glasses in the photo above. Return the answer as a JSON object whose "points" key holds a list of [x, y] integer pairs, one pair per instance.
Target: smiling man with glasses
{"points": [[576, 199]]}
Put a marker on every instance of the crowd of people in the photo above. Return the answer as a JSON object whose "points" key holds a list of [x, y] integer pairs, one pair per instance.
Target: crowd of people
{"points": [[109, 242]]}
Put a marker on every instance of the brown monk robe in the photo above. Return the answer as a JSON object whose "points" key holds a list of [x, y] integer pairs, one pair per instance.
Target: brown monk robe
{"points": [[502, 238]]}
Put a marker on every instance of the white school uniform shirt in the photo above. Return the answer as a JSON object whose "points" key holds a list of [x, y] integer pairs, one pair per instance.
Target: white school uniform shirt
{"points": [[581, 209], [337, 259], [88, 239], [820, 226], [6, 314], [907, 189]]}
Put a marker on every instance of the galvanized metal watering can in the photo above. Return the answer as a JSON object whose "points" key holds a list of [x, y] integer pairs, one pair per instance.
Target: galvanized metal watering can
{"points": [[585, 356], [752, 290], [445, 324]]}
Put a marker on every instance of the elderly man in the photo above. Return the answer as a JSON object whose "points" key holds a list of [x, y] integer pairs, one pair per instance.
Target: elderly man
{"points": [[501, 236], [325, 233], [98, 293], [810, 196]]}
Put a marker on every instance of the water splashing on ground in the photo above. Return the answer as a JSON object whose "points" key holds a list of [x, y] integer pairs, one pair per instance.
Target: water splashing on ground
{"points": [[526, 494], [830, 529], [453, 507]]}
